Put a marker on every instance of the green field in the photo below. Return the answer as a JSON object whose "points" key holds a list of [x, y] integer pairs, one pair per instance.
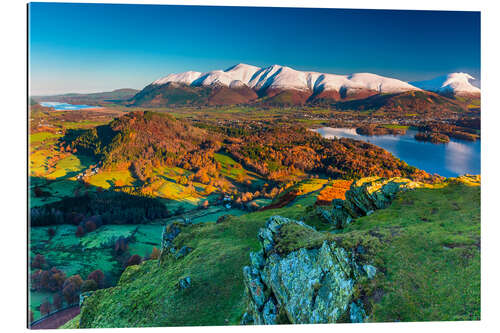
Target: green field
{"points": [[107, 179], [36, 298], [395, 126], [235, 171]]}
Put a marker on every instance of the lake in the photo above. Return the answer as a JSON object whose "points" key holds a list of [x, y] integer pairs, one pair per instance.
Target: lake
{"points": [[450, 159], [65, 106]]}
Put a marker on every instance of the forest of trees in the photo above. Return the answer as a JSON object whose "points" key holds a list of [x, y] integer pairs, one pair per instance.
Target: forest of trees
{"points": [[101, 207], [276, 151], [142, 140]]}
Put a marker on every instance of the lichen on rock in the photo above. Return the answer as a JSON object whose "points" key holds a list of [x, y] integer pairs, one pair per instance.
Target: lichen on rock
{"points": [[170, 232], [308, 285]]}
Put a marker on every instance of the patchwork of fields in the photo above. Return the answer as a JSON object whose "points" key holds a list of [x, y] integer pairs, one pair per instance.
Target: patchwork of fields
{"points": [[54, 175]]}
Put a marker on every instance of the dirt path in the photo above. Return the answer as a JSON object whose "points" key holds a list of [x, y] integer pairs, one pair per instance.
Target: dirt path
{"points": [[58, 319]]}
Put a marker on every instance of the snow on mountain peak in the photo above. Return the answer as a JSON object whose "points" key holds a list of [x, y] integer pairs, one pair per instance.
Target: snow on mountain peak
{"points": [[185, 77], [242, 72], [283, 77], [457, 83]]}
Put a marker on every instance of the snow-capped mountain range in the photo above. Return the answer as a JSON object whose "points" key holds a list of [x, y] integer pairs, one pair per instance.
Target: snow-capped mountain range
{"points": [[455, 83], [278, 77]]}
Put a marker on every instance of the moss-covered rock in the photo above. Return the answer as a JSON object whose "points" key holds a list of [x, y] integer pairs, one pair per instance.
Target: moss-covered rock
{"points": [[312, 284]]}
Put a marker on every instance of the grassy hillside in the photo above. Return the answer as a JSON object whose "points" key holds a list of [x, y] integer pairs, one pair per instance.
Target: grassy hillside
{"points": [[430, 250], [426, 244], [418, 101], [182, 95]]}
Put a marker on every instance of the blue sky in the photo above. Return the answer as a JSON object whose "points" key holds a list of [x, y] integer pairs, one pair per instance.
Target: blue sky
{"points": [[92, 47]]}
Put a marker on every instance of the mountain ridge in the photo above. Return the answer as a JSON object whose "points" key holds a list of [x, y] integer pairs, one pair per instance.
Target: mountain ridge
{"points": [[286, 78], [278, 85], [454, 84]]}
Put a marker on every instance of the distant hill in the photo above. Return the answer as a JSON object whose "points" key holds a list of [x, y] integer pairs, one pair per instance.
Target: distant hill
{"points": [[407, 101], [92, 98], [182, 94], [142, 138]]}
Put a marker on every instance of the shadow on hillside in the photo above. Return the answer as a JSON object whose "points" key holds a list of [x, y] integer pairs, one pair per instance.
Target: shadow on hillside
{"points": [[74, 200]]}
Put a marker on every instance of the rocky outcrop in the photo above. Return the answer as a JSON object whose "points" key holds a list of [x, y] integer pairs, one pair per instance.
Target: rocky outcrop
{"points": [[185, 282], [313, 285], [363, 198], [170, 232]]}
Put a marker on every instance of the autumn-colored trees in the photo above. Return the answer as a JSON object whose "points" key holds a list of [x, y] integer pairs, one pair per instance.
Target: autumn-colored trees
{"points": [[50, 280], [134, 260], [278, 152], [336, 190], [45, 308], [147, 139], [155, 253], [98, 277], [121, 245], [89, 285], [57, 301], [79, 231], [71, 288], [202, 176], [90, 226], [38, 261]]}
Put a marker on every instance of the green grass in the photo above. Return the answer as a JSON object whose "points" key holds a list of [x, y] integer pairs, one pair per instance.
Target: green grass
{"points": [[431, 254], [107, 179], [66, 252], [105, 236], [58, 189], [146, 237], [74, 255], [148, 295], [395, 126], [70, 166], [214, 216], [310, 185], [424, 246], [427, 246], [94, 250], [42, 136], [232, 169], [36, 298], [72, 324]]}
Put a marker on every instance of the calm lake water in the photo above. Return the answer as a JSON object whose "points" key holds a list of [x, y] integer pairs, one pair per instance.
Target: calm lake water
{"points": [[65, 106], [451, 159]]}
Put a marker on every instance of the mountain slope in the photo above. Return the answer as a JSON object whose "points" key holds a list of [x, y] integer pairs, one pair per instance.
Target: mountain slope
{"points": [[418, 101], [453, 84], [278, 85], [273, 85], [173, 93], [425, 247], [142, 137], [286, 78]]}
